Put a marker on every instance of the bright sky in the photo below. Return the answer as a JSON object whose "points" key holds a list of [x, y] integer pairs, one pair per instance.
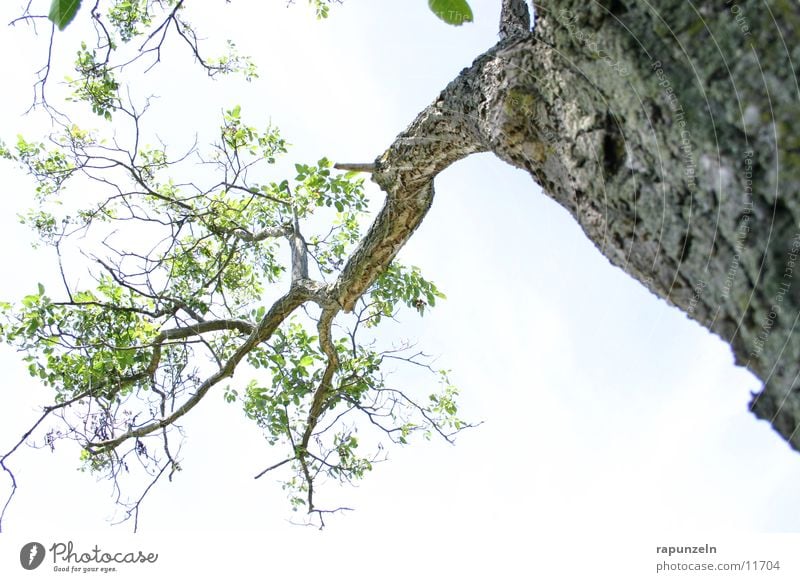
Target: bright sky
{"points": [[609, 416]]}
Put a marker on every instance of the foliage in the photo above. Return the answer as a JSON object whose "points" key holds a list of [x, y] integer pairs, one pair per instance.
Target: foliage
{"points": [[455, 12], [169, 286]]}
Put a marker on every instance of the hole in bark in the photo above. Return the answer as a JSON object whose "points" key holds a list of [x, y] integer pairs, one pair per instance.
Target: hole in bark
{"points": [[616, 7], [613, 148], [686, 246]]}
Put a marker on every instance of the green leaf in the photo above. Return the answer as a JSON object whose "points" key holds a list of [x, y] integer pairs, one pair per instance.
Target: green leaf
{"points": [[306, 361], [63, 11], [455, 12]]}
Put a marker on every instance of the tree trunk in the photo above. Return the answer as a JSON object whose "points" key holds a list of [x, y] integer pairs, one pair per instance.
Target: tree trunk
{"points": [[666, 130]]}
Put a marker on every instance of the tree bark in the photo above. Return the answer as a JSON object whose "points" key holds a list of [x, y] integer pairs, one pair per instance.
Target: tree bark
{"points": [[667, 132]]}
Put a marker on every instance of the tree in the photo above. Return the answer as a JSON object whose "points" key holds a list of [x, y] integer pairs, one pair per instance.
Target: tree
{"points": [[666, 134], [675, 204]]}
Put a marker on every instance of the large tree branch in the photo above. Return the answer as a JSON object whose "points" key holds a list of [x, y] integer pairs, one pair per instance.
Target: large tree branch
{"points": [[441, 135]]}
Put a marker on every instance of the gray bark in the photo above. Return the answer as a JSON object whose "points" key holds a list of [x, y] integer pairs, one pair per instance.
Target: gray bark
{"points": [[667, 132], [515, 18]]}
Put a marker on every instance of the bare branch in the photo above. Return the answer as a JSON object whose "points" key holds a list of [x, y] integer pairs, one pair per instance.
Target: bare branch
{"points": [[47, 411], [273, 467], [367, 168]]}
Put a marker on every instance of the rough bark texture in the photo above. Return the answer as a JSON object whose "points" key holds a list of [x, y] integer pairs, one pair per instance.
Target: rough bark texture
{"points": [[667, 131]]}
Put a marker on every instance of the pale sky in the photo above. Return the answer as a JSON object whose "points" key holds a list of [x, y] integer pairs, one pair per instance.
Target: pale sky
{"points": [[608, 415]]}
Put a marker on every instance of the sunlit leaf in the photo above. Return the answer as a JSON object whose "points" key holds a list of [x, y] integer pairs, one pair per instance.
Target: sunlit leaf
{"points": [[455, 12], [63, 11]]}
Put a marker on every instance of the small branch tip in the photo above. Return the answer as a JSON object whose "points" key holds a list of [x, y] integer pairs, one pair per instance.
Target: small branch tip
{"points": [[368, 168]]}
